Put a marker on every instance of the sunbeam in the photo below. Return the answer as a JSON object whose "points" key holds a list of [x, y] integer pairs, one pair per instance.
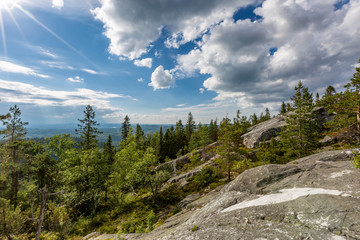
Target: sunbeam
{"points": [[31, 16], [3, 36]]}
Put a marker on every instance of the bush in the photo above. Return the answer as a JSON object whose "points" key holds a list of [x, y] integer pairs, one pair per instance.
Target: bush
{"points": [[356, 160], [204, 178]]}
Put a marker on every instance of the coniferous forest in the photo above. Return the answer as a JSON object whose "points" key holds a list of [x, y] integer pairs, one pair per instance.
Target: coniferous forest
{"points": [[59, 188]]}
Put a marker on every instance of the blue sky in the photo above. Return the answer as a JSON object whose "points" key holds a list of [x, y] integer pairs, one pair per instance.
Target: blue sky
{"points": [[158, 60]]}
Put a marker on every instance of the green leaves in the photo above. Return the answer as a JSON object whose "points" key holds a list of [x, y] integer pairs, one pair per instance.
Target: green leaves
{"points": [[88, 129], [299, 136]]}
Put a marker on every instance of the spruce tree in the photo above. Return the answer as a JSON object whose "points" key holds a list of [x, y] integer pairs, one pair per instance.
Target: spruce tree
{"points": [[213, 131], [355, 83], [88, 129], [180, 138], [125, 128], [299, 136], [190, 127], [283, 108]]}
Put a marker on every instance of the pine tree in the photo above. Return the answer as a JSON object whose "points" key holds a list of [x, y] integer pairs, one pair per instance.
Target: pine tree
{"points": [[125, 128], [190, 127], [180, 138], [213, 131], [88, 129], [283, 108], [15, 133], [330, 90], [254, 119], [355, 83], [299, 136], [317, 99]]}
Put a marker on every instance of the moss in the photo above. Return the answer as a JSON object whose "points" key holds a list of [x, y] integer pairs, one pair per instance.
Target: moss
{"points": [[195, 228]]}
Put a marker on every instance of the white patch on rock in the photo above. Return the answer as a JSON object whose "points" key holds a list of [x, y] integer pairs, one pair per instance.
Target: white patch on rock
{"points": [[284, 196], [340, 174], [336, 237]]}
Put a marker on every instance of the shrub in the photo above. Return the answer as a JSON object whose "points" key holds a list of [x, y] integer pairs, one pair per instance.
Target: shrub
{"points": [[195, 228]]}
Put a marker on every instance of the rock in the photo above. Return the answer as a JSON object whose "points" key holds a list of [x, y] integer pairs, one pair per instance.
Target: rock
{"points": [[316, 197], [189, 199], [182, 178], [266, 130], [91, 236], [176, 164], [263, 131], [327, 140]]}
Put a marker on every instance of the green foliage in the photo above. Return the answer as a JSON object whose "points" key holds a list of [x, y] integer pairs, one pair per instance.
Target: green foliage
{"points": [[87, 128], [125, 128], [12, 220], [283, 108], [347, 106], [195, 228], [190, 127], [151, 220], [356, 160], [204, 178], [270, 152], [299, 137]]}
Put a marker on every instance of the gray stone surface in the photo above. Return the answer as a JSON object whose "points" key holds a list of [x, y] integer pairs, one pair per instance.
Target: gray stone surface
{"points": [[266, 130], [263, 131], [255, 206]]}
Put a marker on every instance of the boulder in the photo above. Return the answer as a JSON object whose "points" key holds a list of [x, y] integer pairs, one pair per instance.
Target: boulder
{"points": [[264, 131], [316, 197]]}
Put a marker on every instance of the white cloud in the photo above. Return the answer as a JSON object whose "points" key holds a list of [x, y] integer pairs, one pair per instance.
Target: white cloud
{"points": [[161, 79], [132, 26], [15, 68], [157, 54], [59, 4], [313, 43], [141, 80], [90, 71], [17, 92], [58, 65], [47, 52], [201, 90], [146, 62], [77, 79]]}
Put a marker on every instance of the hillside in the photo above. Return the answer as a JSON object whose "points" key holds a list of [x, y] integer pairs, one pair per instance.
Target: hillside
{"points": [[316, 197]]}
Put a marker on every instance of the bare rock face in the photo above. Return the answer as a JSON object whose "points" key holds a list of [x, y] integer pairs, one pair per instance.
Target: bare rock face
{"points": [[174, 165], [266, 130], [263, 131], [316, 197]]}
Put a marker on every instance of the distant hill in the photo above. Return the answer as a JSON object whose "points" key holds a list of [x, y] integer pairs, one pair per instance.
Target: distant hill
{"points": [[114, 130]]}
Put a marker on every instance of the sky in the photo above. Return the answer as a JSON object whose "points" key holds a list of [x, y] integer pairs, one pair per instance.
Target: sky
{"points": [[157, 60]]}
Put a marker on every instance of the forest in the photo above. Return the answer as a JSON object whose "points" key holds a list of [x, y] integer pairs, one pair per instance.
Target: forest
{"points": [[59, 188]]}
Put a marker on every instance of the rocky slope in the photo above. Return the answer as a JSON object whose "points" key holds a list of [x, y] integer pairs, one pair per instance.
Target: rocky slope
{"points": [[266, 130], [316, 197]]}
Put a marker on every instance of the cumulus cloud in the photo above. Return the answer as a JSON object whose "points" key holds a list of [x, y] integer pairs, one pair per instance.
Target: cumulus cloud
{"points": [[161, 79], [141, 80], [251, 63], [76, 79], [59, 4], [146, 62], [201, 90], [310, 40], [15, 68], [132, 25], [17, 92]]}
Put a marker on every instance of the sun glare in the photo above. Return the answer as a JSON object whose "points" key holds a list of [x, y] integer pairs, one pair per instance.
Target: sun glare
{"points": [[7, 4]]}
